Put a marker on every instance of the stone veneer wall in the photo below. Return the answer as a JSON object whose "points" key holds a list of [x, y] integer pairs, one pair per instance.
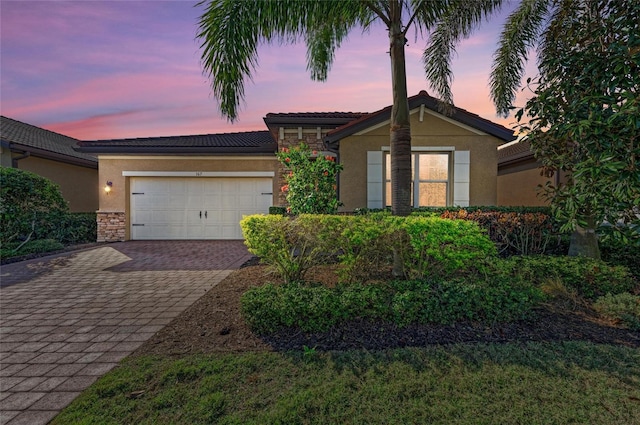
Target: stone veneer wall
{"points": [[289, 141], [111, 226]]}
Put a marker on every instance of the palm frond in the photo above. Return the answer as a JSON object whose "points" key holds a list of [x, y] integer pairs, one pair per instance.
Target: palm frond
{"points": [[458, 21], [520, 33], [231, 32]]}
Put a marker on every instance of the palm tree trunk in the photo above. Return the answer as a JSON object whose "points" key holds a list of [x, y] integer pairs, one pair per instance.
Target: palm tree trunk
{"points": [[400, 124], [400, 127]]}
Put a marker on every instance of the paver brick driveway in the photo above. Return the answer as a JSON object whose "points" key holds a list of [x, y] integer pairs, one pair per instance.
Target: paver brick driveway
{"points": [[66, 320]]}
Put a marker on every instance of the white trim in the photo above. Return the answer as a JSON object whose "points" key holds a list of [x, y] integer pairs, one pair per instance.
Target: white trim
{"points": [[422, 112], [428, 111], [318, 133], [375, 179], [461, 178], [425, 148], [281, 133], [191, 158], [198, 174]]}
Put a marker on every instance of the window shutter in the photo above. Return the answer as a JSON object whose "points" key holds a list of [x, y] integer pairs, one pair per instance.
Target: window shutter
{"points": [[374, 179], [461, 171]]}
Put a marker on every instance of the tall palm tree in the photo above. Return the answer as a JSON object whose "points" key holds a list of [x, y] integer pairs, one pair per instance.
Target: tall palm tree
{"points": [[231, 31]]}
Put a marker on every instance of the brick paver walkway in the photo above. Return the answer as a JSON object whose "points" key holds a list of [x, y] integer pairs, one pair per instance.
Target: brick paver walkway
{"points": [[67, 320]]}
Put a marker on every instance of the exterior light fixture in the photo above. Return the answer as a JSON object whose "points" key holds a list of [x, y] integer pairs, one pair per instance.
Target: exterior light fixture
{"points": [[107, 187]]}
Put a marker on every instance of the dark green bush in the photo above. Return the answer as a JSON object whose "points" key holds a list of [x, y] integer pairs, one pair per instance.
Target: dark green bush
{"points": [[272, 307], [28, 204], [313, 308], [277, 210], [619, 254], [31, 247], [72, 228], [590, 277]]}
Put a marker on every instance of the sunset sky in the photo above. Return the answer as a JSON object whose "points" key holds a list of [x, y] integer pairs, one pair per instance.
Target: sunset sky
{"points": [[116, 69]]}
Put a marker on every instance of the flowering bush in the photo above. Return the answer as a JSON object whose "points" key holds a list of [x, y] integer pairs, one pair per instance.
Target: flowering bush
{"points": [[310, 181]]}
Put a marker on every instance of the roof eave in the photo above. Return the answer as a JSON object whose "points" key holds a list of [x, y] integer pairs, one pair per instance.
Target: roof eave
{"points": [[262, 150], [55, 156], [431, 103]]}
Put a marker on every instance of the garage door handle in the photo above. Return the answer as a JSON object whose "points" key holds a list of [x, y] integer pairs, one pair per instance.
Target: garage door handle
{"points": [[205, 214], [267, 193], [200, 214]]}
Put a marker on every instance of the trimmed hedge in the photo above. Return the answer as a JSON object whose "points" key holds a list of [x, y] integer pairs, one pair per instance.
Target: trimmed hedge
{"points": [[364, 245], [316, 308]]}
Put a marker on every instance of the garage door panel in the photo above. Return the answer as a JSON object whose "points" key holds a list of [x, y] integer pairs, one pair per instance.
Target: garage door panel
{"points": [[170, 208]]}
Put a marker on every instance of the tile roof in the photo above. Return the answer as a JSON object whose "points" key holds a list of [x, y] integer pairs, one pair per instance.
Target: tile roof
{"points": [[250, 142], [514, 152], [41, 142], [319, 119], [461, 115]]}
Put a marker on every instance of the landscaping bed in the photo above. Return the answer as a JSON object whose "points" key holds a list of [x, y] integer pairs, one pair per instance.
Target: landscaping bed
{"points": [[215, 324]]}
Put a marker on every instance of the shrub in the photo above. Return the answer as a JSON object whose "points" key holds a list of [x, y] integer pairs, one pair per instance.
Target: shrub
{"points": [[71, 228], [624, 308], [514, 233], [364, 245], [622, 254], [314, 308], [31, 247], [272, 307], [290, 246], [590, 277], [28, 203], [310, 182], [440, 247]]}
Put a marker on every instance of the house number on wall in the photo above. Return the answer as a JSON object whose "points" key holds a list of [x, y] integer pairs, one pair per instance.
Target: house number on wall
{"points": [[198, 173]]}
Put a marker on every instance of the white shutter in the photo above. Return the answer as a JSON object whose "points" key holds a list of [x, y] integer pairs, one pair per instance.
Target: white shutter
{"points": [[461, 172], [374, 179]]}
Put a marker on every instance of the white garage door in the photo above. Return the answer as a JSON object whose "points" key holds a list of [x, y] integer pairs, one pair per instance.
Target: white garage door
{"points": [[195, 208]]}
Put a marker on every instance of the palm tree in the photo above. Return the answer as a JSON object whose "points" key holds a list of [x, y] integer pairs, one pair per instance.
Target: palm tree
{"points": [[231, 31]]}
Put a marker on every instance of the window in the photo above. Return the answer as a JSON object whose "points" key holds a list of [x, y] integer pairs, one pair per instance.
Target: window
{"points": [[430, 182]]}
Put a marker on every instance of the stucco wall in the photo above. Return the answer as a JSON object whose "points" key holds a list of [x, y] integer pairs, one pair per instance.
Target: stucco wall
{"points": [[111, 168], [518, 184], [79, 185], [432, 131]]}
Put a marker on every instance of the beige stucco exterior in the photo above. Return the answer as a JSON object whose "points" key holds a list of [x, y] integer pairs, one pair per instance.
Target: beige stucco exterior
{"points": [[433, 130], [518, 186], [112, 167], [78, 185]]}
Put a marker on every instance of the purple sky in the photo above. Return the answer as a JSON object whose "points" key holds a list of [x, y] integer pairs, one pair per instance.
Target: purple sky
{"points": [[116, 69]]}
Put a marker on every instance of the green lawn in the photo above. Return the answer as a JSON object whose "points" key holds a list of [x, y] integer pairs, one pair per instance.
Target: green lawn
{"points": [[464, 384]]}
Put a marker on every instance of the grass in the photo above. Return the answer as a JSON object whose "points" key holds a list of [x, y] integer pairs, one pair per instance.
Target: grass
{"points": [[460, 384]]}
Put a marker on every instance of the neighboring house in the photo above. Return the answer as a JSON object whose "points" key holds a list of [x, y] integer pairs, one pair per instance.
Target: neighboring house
{"points": [[51, 155], [520, 175], [198, 187]]}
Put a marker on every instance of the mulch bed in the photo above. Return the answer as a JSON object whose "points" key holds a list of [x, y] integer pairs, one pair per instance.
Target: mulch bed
{"points": [[214, 324]]}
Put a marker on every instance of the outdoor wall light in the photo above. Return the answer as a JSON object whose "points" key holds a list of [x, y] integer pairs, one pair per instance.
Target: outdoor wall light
{"points": [[107, 187]]}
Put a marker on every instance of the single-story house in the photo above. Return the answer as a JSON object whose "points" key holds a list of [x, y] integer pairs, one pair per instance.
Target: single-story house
{"points": [[51, 155], [198, 187]]}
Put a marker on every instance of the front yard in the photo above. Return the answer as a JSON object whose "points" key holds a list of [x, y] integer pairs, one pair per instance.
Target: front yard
{"points": [[325, 334], [208, 367]]}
